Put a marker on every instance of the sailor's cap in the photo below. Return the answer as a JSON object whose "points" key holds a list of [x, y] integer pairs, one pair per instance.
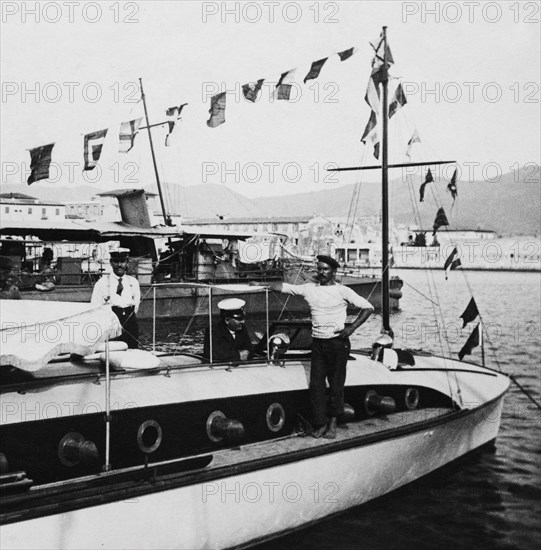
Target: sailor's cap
{"points": [[232, 307], [329, 261], [120, 255]]}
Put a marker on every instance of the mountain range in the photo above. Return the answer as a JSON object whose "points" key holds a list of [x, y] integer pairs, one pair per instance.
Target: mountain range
{"points": [[509, 206]]}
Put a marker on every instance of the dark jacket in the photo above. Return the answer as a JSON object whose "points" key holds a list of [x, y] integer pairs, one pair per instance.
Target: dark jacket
{"points": [[224, 346]]}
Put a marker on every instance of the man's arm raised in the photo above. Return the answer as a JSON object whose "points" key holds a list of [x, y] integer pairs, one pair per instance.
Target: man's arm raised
{"points": [[274, 286]]}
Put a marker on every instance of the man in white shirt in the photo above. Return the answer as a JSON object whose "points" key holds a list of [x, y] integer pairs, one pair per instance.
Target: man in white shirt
{"points": [[328, 301], [122, 293]]}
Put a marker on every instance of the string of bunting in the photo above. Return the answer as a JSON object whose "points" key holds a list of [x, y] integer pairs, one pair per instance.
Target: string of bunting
{"points": [[93, 142]]}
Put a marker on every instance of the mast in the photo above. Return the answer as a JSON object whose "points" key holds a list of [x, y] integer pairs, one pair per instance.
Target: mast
{"points": [[384, 79], [385, 310], [166, 218]]}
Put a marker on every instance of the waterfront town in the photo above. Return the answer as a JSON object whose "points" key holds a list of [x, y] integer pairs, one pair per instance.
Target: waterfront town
{"points": [[356, 244]]}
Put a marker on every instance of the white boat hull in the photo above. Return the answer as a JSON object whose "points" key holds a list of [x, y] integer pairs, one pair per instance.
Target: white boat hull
{"points": [[258, 505]]}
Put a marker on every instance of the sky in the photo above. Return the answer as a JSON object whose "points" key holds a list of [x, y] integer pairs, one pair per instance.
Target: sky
{"points": [[470, 72]]}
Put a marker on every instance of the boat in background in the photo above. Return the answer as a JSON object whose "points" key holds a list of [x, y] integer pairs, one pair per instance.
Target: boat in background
{"points": [[118, 450], [218, 257]]}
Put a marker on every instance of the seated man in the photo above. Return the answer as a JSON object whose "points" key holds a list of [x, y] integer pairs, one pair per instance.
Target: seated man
{"points": [[230, 339]]}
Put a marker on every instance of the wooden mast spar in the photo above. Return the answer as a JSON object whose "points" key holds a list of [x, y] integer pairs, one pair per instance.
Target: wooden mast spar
{"points": [[385, 310], [166, 218]]}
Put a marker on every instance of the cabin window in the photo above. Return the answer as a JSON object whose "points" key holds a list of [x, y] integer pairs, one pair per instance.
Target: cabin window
{"points": [[57, 211], [352, 255], [43, 211], [30, 210], [6, 210]]}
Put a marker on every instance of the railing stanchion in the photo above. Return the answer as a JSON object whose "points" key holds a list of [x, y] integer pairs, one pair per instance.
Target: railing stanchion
{"points": [[153, 318]]}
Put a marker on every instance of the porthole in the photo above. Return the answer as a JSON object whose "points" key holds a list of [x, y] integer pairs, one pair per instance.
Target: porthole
{"points": [[276, 417], [149, 436], [411, 398]]}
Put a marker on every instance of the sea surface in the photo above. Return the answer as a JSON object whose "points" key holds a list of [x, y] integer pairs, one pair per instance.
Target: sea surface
{"points": [[490, 500]]}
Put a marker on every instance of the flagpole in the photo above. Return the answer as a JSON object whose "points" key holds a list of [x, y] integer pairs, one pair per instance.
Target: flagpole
{"points": [[385, 196], [166, 219]]}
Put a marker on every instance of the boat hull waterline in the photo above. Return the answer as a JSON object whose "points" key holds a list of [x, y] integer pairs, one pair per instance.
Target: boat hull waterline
{"points": [[216, 514], [282, 484]]}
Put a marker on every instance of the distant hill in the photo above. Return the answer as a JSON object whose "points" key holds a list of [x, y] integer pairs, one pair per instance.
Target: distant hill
{"points": [[511, 205], [508, 206]]}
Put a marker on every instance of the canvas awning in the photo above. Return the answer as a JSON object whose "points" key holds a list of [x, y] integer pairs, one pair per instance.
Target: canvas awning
{"points": [[79, 230], [33, 332]]}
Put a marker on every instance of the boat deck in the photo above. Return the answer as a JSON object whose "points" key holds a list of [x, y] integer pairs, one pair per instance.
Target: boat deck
{"points": [[293, 447]]}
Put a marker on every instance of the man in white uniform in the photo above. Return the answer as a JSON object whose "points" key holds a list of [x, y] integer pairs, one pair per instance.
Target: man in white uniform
{"points": [[328, 301], [122, 292]]}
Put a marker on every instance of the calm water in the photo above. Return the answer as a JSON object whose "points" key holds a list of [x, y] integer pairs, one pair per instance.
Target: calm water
{"points": [[491, 500]]}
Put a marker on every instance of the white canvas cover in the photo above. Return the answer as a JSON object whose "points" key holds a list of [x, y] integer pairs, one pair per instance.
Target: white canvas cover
{"points": [[33, 332]]}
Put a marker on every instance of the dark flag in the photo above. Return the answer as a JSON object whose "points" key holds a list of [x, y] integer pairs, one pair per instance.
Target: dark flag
{"points": [[451, 186], [441, 219], [283, 91], [175, 111], [93, 146], [379, 54], [398, 101], [428, 179], [250, 90], [452, 262], [315, 69], [470, 313], [414, 139], [217, 110], [40, 161], [370, 132], [346, 54], [128, 131], [372, 96], [174, 115], [370, 125], [472, 342]]}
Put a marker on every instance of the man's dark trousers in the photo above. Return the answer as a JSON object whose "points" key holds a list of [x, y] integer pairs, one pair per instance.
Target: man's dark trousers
{"points": [[329, 360]]}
